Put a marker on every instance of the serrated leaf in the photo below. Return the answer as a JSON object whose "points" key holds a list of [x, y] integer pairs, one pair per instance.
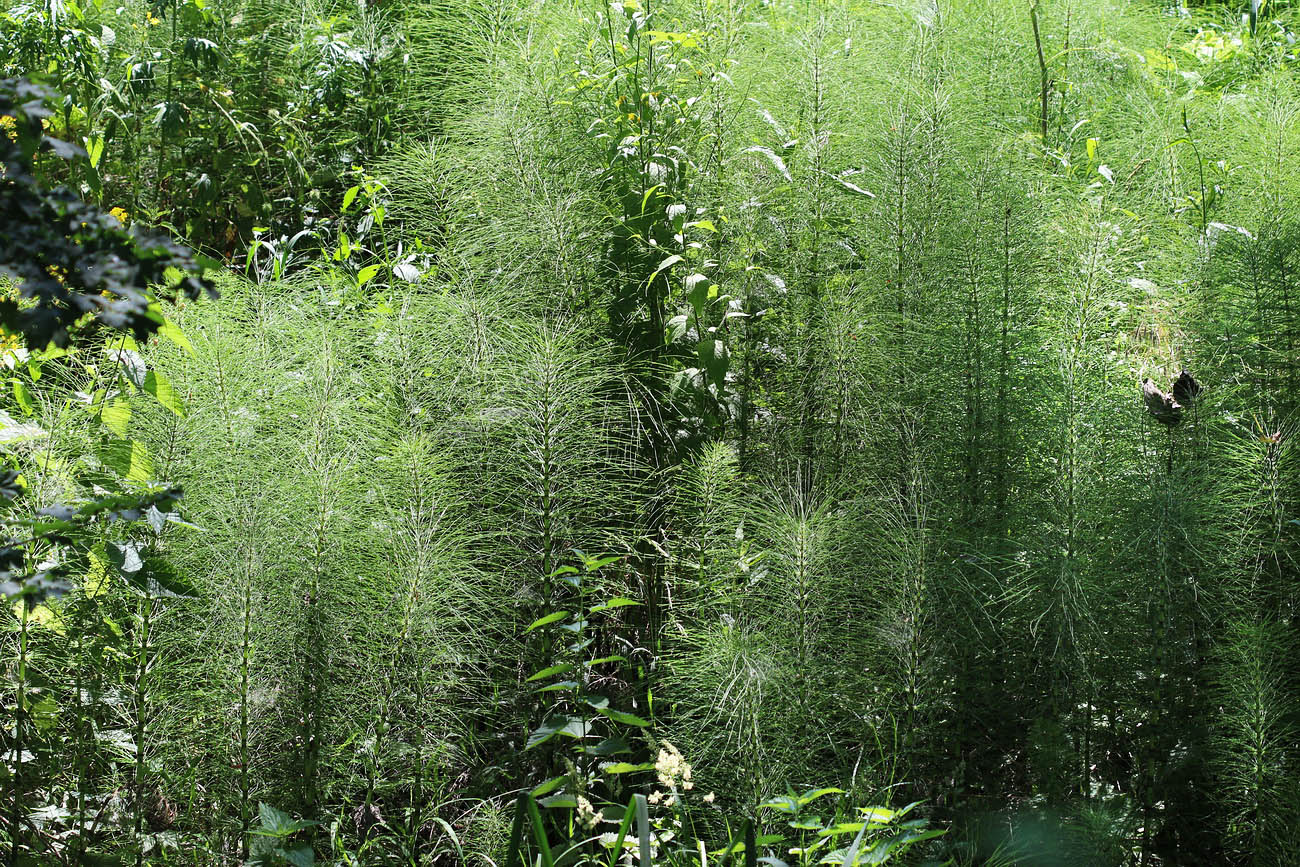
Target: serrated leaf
{"points": [[878, 814], [300, 856], [277, 823], [715, 358], [125, 557], [781, 803]]}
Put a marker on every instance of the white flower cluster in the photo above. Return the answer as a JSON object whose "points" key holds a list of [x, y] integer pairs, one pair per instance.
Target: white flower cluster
{"points": [[672, 768], [588, 818]]}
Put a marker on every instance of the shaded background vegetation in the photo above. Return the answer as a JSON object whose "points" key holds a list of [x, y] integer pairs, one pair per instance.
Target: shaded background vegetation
{"points": [[825, 319]]}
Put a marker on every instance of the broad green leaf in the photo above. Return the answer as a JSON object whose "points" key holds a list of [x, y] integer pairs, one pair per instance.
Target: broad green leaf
{"points": [[157, 384], [132, 364], [116, 416], [277, 823], [601, 660], [878, 814], [813, 794], [557, 724], [350, 196], [44, 711], [676, 328], [664, 265], [625, 767], [616, 602], [560, 686], [618, 716], [781, 803], [591, 564], [547, 672], [170, 330], [23, 396], [557, 802], [366, 274], [406, 271], [609, 747], [547, 787], [94, 150], [299, 856], [697, 291], [14, 431], [128, 458], [715, 358], [547, 620]]}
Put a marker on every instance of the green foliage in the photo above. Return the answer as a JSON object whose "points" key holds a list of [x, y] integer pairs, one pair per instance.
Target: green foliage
{"points": [[825, 320], [73, 263]]}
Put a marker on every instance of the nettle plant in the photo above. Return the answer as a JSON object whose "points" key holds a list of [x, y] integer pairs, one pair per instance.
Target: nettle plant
{"points": [[595, 825], [576, 711], [70, 273], [849, 836], [646, 101]]}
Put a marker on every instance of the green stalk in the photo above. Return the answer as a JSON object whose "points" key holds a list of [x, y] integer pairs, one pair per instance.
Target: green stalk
{"points": [[140, 686], [20, 741]]}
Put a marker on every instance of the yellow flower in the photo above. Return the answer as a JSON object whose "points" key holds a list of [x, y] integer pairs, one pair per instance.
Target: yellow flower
{"points": [[154, 22], [10, 126], [121, 215]]}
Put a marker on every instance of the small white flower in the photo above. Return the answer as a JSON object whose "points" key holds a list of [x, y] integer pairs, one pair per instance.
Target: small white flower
{"points": [[588, 818]]}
